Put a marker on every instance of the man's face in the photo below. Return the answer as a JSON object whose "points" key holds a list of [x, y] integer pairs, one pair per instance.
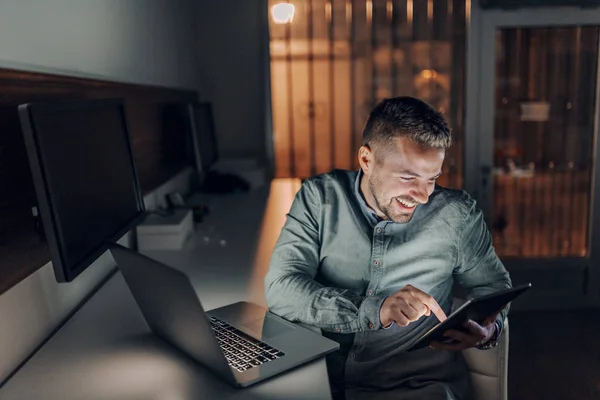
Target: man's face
{"points": [[400, 179]]}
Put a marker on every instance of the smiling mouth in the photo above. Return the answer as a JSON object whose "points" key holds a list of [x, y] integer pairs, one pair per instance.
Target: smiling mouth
{"points": [[406, 203]]}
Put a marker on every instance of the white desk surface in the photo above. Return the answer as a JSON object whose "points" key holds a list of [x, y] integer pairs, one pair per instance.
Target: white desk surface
{"points": [[106, 351]]}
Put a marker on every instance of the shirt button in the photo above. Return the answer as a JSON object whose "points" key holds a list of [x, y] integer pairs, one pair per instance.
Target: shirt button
{"points": [[337, 329], [378, 230], [352, 356], [371, 325], [376, 262], [370, 293]]}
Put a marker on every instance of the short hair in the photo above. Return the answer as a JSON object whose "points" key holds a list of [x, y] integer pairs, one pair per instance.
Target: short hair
{"points": [[406, 117]]}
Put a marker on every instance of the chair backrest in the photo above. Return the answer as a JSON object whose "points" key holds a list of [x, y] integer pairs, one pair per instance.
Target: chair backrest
{"points": [[489, 369]]}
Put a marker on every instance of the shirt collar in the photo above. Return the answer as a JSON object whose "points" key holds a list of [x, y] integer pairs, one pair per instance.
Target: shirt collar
{"points": [[367, 211]]}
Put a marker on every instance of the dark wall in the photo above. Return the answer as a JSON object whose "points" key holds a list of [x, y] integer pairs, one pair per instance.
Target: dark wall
{"points": [[233, 46]]}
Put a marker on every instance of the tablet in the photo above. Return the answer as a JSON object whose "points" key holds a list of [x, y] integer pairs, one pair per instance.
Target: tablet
{"points": [[476, 309]]}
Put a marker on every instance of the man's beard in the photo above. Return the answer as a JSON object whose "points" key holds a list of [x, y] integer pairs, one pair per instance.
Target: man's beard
{"points": [[387, 207]]}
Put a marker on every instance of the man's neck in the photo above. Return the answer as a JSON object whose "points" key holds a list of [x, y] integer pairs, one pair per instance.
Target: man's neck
{"points": [[365, 192]]}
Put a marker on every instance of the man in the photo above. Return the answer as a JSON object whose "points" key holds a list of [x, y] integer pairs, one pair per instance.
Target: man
{"points": [[371, 257]]}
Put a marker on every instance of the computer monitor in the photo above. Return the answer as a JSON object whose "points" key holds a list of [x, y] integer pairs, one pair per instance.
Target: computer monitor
{"points": [[203, 136], [85, 178]]}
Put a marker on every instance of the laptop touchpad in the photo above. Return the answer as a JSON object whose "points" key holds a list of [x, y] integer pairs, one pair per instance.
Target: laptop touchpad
{"points": [[267, 327]]}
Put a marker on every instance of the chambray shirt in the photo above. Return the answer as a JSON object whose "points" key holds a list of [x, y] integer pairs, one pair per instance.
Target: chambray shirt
{"points": [[335, 262]]}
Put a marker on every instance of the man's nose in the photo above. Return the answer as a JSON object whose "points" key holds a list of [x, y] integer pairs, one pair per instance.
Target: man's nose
{"points": [[419, 193]]}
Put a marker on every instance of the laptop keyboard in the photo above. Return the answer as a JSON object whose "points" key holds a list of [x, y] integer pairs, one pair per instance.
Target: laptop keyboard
{"points": [[241, 350]]}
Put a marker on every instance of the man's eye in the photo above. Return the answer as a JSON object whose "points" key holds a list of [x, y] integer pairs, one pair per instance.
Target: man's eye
{"points": [[407, 178]]}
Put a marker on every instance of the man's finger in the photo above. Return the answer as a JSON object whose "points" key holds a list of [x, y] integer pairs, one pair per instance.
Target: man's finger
{"points": [[458, 335], [474, 328], [490, 320], [411, 312], [419, 307], [427, 310], [431, 303], [400, 319], [493, 316]]}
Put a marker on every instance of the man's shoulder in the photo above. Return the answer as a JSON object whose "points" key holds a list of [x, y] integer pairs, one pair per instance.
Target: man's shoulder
{"points": [[454, 199], [335, 181]]}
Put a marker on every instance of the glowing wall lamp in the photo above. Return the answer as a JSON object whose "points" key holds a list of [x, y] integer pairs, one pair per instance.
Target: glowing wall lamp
{"points": [[283, 13]]}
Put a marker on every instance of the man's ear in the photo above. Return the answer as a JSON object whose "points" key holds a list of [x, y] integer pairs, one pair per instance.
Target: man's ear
{"points": [[365, 158]]}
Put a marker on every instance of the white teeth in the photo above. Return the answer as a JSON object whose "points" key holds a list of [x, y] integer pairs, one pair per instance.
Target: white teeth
{"points": [[406, 204]]}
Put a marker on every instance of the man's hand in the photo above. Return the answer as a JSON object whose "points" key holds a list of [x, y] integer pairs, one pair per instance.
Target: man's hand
{"points": [[476, 335], [408, 305]]}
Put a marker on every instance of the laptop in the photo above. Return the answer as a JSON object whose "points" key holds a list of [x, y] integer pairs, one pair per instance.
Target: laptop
{"points": [[242, 343]]}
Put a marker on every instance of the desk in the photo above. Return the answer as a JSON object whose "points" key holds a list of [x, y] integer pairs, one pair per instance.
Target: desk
{"points": [[106, 351]]}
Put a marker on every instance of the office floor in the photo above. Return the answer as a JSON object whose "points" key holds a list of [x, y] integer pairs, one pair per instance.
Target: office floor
{"points": [[554, 355]]}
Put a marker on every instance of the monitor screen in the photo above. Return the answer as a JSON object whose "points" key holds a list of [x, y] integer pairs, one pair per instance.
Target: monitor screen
{"points": [[205, 140], [85, 178]]}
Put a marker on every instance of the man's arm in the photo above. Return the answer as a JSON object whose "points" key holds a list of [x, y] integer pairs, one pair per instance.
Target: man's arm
{"points": [[479, 270], [290, 289]]}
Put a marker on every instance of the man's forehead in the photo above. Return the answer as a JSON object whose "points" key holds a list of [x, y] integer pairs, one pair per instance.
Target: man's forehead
{"points": [[413, 158]]}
